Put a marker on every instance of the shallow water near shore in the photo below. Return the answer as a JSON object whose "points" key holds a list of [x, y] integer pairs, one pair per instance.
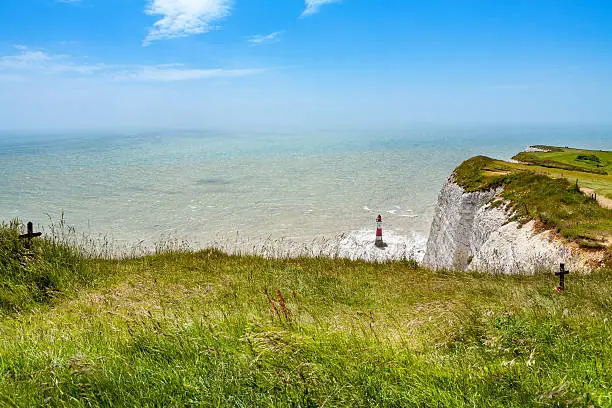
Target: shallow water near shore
{"points": [[291, 193]]}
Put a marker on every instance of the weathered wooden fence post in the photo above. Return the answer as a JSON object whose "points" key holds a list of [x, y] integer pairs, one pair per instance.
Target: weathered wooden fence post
{"points": [[561, 274], [31, 234]]}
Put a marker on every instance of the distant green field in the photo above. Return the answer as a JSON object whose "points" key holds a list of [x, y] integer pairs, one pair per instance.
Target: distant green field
{"points": [[594, 161], [592, 168], [602, 184]]}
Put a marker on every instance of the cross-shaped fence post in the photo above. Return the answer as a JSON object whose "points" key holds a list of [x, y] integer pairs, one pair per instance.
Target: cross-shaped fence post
{"points": [[31, 234], [561, 274]]}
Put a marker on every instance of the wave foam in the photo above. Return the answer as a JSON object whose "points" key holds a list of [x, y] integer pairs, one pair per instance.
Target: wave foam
{"points": [[360, 245]]}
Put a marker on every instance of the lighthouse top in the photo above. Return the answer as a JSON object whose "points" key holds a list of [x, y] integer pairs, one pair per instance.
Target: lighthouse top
{"points": [[379, 218]]}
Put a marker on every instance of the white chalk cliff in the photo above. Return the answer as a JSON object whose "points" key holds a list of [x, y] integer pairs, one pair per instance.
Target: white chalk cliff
{"points": [[468, 232]]}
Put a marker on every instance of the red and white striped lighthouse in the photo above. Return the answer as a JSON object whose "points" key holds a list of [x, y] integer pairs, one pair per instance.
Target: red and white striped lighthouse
{"points": [[379, 241]]}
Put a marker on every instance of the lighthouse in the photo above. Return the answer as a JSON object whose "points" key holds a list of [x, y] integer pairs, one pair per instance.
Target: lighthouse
{"points": [[379, 241]]}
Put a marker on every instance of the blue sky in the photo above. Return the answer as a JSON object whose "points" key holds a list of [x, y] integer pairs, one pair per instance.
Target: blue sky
{"points": [[147, 64]]}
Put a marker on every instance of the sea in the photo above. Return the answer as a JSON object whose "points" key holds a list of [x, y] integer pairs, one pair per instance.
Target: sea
{"points": [[272, 193]]}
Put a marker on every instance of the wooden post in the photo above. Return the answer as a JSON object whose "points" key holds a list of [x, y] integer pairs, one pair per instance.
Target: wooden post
{"points": [[561, 274], [31, 234]]}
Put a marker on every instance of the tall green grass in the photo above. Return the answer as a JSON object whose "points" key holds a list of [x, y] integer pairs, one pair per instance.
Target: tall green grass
{"points": [[39, 273], [209, 329]]}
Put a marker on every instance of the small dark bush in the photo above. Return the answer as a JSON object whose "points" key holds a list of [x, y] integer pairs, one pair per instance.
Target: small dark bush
{"points": [[588, 158]]}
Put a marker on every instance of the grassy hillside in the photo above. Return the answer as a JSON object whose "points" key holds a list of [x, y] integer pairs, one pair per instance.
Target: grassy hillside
{"points": [[592, 161], [592, 168], [207, 329], [549, 195]]}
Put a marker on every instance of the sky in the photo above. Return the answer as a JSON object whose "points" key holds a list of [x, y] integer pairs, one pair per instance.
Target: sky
{"points": [[195, 64]]}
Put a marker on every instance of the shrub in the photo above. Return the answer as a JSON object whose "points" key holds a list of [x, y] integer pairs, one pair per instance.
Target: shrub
{"points": [[588, 158]]}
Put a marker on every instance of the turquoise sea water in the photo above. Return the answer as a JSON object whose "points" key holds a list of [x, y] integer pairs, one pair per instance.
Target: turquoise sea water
{"points": [[250, 190]]}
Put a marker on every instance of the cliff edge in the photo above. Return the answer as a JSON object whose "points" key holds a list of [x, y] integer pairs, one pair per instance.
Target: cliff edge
{"points": [[502, 217]]}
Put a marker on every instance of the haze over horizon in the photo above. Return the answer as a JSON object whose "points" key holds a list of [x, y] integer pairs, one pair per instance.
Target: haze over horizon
{"points": [[163, 64]]}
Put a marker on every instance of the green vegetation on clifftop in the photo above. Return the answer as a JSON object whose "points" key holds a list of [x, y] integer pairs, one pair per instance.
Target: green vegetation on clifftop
{"points": [[554, 201], [479, 173], [590, 161], [208, 329]]}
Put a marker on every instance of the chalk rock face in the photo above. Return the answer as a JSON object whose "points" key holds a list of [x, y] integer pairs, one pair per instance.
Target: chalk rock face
{"points": [[519, 249], [452, 239], [468, 232]]}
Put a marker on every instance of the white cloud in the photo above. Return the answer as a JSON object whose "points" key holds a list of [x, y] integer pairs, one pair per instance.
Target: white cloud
{"points": [[265, 38], [163, 73], [25, 59], [313, 6], [28, 60], [182, 18], [34, 63]]}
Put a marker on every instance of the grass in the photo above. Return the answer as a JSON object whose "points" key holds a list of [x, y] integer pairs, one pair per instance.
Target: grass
{"points": [[602, 184], [541, 193], [31, 275], [480, 173], [208, 329], [589, 161]]}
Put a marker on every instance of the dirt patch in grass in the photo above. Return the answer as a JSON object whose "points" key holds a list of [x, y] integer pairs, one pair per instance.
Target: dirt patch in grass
{"points": [[603, 201], [496, 172]]}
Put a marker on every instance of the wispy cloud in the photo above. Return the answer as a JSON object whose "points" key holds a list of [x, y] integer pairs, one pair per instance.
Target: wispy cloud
{"points": [[313, 6], [264, 38], [28, 60], [24, 60], [163, 73], [182, 18], [27, 64]]}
